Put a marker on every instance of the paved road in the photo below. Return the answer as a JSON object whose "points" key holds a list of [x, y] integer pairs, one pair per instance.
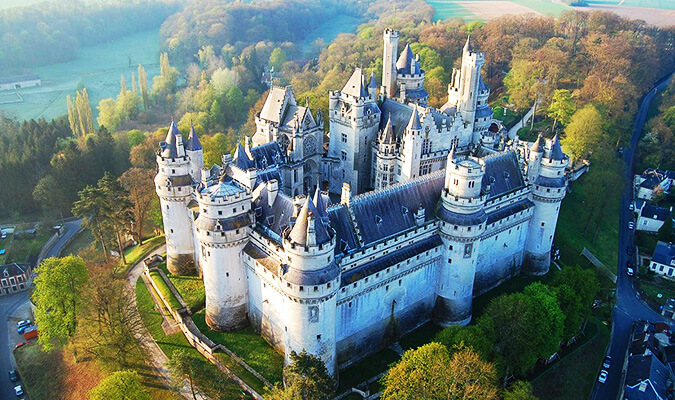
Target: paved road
{"points": [[629, 306], [9, 304]]}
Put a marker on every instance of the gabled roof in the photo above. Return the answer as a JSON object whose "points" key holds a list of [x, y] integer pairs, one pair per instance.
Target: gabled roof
{"points": [[241, 159], [278, 99], [655, 212], [13, 269], [193, 143], [664, 253], [356, 85], [502, 173], [646, 378], [387, 136], [18, 78], [414, 123]]}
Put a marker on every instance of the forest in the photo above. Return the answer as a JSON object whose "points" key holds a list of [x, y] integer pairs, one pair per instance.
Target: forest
{"points": [[51, 33]]}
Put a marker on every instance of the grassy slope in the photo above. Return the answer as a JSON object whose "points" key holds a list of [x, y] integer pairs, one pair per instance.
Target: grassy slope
{"points": [[570, 236], [136, 253], [190, 287], [164, 289]]}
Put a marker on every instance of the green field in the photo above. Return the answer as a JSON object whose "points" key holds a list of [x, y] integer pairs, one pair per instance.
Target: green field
{"points": [[444, 9], [98, 68], [662, 4], [329, 31]]}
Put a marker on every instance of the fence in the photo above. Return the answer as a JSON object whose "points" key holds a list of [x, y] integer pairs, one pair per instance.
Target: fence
{"points": [[198, 340]]}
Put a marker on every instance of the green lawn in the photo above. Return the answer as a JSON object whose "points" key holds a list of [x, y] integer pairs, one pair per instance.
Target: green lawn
{"points": [[652, 289], [249, 345], [136, 253], [209, 375], [22, 249], [190, 287], [570, 238], [573, 376], [164, 289], [646, 242], [509, 119]]}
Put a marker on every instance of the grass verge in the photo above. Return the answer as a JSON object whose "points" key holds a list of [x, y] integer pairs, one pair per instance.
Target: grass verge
{"points": [[136, 253], [190, 287], [164, 290], [208, 377], [249, 345]]}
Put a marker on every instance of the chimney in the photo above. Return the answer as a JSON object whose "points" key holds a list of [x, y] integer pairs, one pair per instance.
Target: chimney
{"points": [[272, 191], [206, 174], [226, 159], [346, 193], [311, 230], [420, 216]]}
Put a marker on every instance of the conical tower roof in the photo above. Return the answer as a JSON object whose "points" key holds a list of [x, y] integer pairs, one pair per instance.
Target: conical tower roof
{"points": [[193, 143], [414, 123], [404, 59], [241, 159], [319, 203], [387, 136], [372, 83], [538, 145], [467, 46], [308, 228], [169, 146], [556, 150]]}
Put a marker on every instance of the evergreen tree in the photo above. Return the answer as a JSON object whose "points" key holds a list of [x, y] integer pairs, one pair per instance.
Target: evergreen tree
{"points": [[666, 231], [143, 86]]}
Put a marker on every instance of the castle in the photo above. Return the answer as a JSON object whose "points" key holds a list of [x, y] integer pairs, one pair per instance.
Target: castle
{"points": [[458, 208]]}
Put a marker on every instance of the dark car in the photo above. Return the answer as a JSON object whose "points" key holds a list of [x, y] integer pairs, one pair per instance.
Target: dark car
{"points": [[13, 375], [607, 362], [24, 328], [629, 250]]}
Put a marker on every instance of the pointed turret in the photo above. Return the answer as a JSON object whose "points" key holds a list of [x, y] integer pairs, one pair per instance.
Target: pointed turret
{"points": [[193, 143], [356, 85], [169, 147], [538, 145], [403, 62], [319, 203], [308, 230], [556, 150], [467, 46], [372, 84], [241, 159], [414, 123], [387, 135]]}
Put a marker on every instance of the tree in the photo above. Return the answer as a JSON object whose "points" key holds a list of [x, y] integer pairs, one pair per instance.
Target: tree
{"points": [[79, 114], [519, 390], [139, 183], [48, 192], [583, 282], [429, 372], [562, 107], [520, 83], [455, 337], [669, 117], [570, 305], [164, 84], [143, 86], [120, 385], [548, 321], [184, 365], [306, 377], [666, 231], [277, 58], [583, 133], [214, 148], [58, 298]]}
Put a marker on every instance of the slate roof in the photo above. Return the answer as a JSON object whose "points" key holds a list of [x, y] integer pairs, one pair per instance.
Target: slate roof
{"points": [[385, 213], [485, 111], [268, 155], [300, 233], [651, 181], [481, 85], [538, 145], [387, 134], [511, 209], [419, 93], [168, 146], [648, 371], [275, 103], [356, 85], [545, 181], [193, 143], [341, 222], [372, 84], [502, 173], [398, 113], [664, 253], [406, 60], [414, 123], [655, 212], [275, 218], [241, 159], [556, 150], [18, 78], [13, 269]]}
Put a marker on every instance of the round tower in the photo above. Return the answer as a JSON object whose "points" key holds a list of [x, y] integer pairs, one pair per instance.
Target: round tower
{"points": [[536, 153], [223, 227], [549, 187], [173, 184], [462, 218], [390, 38], [311, 281], [195, 153]]}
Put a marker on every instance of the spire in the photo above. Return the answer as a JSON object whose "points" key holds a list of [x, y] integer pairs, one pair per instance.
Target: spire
{"points": [[355, 86], [372, 83], [403, 62], [241, 159], [467, 46], [169, 145], [556, 150], [193, 143], [308, 230], [387, 136], [538, 145], [451, 155], [414, 123], [318, 201]]}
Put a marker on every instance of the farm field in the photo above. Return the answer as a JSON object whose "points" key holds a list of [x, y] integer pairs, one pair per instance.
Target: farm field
{"points": [[662, 4], [487, 9], [98, 68], [328, 31], [654, 12]]}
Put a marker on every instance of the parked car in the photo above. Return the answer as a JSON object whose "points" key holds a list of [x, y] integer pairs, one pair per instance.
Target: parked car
{"points": [[13, 375], [18, 390], [25, 328], [16, 346], [629, 250], [631, 225], [607, 362], [602, 378], [3, 236], [631, 207], [30, 333], [630, 271], [25, 322], [155, 258]]}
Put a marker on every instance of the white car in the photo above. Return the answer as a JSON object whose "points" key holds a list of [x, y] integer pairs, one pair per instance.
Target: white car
{"points": [[631, 225], [602, 378], [630, 271], [18, 390], [25, 322], [631, 207]]}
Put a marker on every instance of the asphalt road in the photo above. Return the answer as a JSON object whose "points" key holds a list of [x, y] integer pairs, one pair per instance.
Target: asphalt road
{"points": [[629, 307], [9, 304]]}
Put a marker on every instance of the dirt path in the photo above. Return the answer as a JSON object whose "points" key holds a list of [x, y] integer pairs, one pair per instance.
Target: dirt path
{"points": [[154, 352]]}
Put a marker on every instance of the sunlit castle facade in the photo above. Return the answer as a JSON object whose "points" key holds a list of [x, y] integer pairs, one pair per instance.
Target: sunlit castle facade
{"points": [[424, 209]]}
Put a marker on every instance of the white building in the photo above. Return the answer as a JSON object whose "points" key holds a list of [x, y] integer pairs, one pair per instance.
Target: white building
{"points": [[663, 260], [651, 182], [19, 82], [650, 218], [451, 217]]}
